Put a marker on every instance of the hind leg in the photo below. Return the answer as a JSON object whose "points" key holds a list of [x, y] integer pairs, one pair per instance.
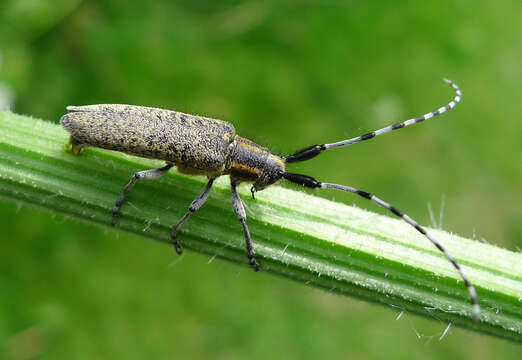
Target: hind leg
{"points": [[76, 147], [140, 175]]}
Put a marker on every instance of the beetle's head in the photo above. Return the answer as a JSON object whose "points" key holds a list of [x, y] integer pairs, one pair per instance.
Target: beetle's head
{"points": [[271, 173]]}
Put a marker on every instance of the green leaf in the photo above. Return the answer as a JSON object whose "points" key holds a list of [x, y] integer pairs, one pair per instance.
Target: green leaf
{"points": [[340, 248]]}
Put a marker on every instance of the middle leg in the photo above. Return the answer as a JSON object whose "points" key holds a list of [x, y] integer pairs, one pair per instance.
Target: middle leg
{"points": [[194, 206]]}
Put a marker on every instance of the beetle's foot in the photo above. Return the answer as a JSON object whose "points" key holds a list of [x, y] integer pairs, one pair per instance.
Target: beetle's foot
{"points": [[175, 242], [253, 263]]}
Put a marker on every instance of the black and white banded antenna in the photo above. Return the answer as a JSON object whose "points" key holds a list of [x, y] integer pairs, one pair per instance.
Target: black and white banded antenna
{"points": [[314, 150]]}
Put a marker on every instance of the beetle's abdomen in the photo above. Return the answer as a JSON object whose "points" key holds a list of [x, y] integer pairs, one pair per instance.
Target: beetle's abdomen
{"points": [[193, 142]]}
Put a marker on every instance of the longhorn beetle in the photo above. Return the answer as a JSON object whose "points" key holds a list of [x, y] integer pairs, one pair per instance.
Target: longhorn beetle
{"points": [[202, 146]]}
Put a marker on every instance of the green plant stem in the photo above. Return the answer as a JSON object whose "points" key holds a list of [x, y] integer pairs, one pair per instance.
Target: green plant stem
{"points": [[340, 248]]}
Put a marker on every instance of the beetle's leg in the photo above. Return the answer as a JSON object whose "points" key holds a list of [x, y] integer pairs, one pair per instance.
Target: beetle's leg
{"points": [[239, 209], [194, 206], [76, 147], [140, 175]]}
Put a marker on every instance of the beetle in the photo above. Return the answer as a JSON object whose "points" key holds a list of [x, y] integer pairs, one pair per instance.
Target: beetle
{"points": [[199, 145]]}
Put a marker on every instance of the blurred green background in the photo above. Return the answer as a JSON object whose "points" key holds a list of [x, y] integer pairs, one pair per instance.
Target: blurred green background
{"points": [[288, 74]]}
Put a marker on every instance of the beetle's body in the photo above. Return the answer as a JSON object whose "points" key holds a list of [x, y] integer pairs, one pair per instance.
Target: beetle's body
{"points": [[203, 146], [196, 145]]}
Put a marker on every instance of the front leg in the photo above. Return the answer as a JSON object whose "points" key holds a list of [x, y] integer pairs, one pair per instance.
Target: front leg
{"points": [[239, 209]]}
